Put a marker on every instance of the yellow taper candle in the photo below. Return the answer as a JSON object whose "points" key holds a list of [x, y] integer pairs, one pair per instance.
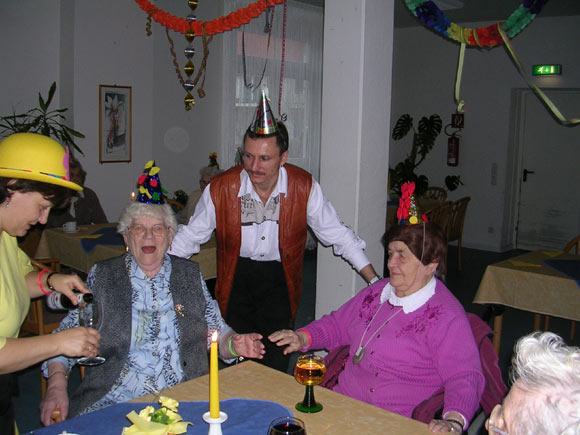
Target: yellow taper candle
{"points": [[214, 393]]}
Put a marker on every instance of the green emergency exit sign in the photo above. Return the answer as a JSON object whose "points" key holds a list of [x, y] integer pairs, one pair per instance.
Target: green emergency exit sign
{"points": [[547, 70]]}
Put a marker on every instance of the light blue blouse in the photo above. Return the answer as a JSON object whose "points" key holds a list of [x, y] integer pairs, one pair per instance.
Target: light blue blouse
{"points": [[153, 362]]}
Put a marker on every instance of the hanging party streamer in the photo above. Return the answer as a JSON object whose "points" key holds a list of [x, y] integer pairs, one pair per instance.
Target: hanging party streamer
{"points": [[223, 24], [549, 104], [489, 36]]}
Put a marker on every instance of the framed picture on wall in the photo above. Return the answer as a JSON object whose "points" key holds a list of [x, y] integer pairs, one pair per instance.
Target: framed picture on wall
{"points": [[114, 123]]}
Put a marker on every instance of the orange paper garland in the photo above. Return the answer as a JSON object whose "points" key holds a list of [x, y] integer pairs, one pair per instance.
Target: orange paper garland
{"points": [[223, 24]]}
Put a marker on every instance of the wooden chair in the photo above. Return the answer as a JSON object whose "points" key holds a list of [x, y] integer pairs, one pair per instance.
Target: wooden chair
{"points": [[573, 244], [455, 225], [35, 322], [440, 215], [435, 192]]}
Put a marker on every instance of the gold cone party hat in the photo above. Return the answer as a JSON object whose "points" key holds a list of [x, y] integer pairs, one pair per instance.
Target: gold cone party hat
{"points": [[264, 122]]}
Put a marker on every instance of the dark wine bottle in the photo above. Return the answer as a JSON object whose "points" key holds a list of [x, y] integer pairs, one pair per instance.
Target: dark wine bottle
{"points": [[58, 301]]}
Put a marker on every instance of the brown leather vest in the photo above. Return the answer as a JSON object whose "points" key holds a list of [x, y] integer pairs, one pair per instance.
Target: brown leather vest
{"points": [[291, 230]]}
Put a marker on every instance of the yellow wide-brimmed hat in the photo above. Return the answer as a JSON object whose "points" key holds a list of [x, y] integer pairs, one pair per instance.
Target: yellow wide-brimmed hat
{"points": [[35, 157]]}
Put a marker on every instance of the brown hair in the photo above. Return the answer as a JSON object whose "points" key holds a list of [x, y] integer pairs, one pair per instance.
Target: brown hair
{"points": [[435, 249], [281, 135], [57, 195]]}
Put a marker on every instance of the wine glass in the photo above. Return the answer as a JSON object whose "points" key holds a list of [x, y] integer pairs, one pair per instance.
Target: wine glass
{"points": [[287, 426], [309, 371], [91, 316]]}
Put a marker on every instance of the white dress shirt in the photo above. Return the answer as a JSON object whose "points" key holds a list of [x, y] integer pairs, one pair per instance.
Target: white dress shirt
{"points": [[260, 225]]}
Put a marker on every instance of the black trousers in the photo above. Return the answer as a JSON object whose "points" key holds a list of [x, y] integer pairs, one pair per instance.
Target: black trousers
{"points": [[259, 303], [8, 387]]}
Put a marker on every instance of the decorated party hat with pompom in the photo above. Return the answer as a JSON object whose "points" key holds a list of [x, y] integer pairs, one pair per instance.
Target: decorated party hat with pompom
{"points": [[213, 160], [149, 185], [264, 122], [409, 212]]}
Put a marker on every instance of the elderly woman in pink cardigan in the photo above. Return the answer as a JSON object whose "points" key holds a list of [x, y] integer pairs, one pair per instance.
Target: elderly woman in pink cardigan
{"points": [[408, 335]]}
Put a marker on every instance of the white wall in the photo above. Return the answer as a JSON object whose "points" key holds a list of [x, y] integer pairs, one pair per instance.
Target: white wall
{"points": [[358, 42], [106, 43], [424, 69], [111, 48], [181, 160], [29, 43]]}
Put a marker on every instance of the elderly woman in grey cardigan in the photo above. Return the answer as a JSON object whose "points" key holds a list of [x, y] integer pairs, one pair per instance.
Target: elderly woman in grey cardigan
{"points": [[159, 318]]}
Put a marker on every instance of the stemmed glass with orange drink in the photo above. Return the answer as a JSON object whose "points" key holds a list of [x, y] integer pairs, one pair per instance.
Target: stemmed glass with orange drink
{"points": [[309, 371]]}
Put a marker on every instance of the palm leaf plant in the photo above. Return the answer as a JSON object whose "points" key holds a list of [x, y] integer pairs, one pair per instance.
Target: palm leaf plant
{"points": [[42, 120], [424, 137]]}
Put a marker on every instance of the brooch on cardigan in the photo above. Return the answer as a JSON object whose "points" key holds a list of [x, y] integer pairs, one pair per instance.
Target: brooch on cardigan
{"points": [[180, 309]]}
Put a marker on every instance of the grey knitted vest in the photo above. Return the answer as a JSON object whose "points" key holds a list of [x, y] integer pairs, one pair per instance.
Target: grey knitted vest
{"points": [[113, 288]]}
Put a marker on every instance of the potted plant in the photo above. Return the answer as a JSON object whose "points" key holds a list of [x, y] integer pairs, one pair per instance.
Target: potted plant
{"points": [[42, 120], [424, 137]]}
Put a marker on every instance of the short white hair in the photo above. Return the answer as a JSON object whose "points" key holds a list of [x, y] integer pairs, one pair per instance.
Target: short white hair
{"points": [[136, 209], [548, 371]]}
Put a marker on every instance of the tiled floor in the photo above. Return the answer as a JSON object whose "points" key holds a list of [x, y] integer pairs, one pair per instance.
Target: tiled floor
{"points": [[464, 285]]}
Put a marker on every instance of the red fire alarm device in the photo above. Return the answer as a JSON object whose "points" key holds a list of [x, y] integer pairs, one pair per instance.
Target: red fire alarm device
{"points": [[452, 151]]}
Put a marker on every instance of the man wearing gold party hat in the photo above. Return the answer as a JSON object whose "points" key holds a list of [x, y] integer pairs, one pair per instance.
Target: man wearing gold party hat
{"points": [[261, 210]]}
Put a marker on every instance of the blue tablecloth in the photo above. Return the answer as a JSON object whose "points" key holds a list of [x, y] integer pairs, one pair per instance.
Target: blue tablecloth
{"points": [[570, 268], [245, 417], [110, 237]]}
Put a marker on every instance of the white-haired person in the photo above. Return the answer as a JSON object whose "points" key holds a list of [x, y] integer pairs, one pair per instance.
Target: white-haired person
{"points": [[205, 176], [159, 316], [545, 395]]}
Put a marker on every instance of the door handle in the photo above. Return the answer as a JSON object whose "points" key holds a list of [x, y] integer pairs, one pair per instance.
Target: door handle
{"points": [[526, 172]]}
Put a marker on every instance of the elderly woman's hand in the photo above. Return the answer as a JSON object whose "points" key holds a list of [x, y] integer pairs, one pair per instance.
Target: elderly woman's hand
{"points": [[56, 398], [452, 426], [248, 345], [294, 340]]}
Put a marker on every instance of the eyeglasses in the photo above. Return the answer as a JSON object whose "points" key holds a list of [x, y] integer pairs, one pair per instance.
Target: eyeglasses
{"points": [[142, 231], [494, 416], [497, 430]]}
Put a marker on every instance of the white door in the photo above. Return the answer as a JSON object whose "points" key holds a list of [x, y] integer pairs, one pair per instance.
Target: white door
{"points": [[549, 207]]}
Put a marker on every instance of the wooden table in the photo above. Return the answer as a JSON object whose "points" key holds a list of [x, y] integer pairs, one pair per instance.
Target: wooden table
{"points": [[56, 243], [526, 283], [341, 414]]}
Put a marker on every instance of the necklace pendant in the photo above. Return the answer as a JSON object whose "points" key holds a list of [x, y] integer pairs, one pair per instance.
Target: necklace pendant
{"points": [[359, 355]]}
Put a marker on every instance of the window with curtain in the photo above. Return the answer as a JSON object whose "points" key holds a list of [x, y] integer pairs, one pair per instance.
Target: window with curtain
{"points": [[243, 76]]}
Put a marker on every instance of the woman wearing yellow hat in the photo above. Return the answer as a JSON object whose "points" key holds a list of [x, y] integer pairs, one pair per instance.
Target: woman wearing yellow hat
{"points": [[33, 178]]}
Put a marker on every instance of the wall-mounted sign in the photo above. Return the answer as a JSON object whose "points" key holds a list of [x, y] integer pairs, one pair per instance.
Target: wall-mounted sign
{"points": [[547, 70]]}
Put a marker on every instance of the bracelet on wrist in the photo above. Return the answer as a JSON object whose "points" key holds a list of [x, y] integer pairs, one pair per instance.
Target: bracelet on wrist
{"points": [[451, 420], [308, 335], [42, 272], [51, 374], [375, 279], [48, 281], [231, 347]]}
